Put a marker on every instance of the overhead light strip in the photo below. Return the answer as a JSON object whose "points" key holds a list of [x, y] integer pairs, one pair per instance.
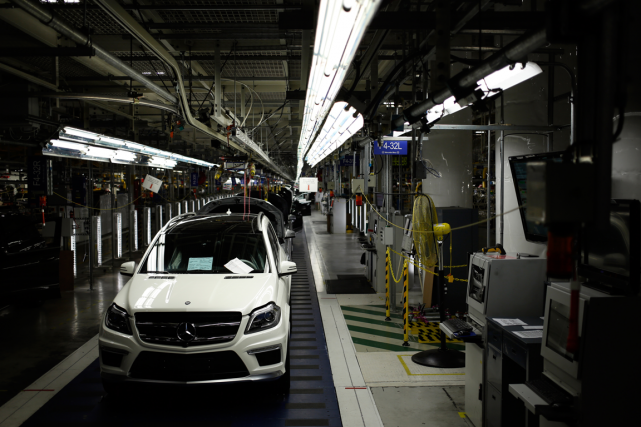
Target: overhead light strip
{"points": [[126, 149], [342, 123], [341, 26]]}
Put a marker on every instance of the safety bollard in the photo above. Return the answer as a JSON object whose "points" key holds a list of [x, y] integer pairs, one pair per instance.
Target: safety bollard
{"points": [[387, 261], [406, 305]]}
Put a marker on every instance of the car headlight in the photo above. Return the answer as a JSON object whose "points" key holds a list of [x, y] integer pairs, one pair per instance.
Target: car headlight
{"points": [[118, 319], [262, 318]]}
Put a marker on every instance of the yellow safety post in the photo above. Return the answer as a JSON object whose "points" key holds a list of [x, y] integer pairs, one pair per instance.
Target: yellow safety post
{"points": [[406, 305], [387, 261]]}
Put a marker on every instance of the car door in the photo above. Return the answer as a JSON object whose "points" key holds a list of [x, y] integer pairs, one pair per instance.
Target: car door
{"points": [[279, 256]]}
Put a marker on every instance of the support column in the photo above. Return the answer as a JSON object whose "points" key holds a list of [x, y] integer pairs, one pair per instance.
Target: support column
{"points": [[218, 83]]}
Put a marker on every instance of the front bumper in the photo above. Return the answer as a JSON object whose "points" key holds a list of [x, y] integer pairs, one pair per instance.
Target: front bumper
{"points": [[131, 346]]}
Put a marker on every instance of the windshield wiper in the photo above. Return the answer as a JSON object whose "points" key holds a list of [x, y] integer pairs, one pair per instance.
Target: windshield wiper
{"points": [[158, 272]]}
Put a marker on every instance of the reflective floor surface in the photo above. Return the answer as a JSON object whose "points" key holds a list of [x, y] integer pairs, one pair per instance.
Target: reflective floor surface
{"points": [[37, 335]]}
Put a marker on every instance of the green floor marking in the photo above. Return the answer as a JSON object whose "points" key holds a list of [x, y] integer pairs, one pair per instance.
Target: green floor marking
{"points": [[372, 312], [391, 325]]}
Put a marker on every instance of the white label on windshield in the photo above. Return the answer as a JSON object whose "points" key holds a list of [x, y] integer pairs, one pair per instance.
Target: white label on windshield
{"points": [[200, 264], [238, 267]]}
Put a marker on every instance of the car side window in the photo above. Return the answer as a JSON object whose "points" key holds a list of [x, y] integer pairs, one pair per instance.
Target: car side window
{"points": [[273, 240]]}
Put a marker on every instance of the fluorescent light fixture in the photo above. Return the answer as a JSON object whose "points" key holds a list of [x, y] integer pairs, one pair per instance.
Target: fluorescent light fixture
{"points": [[124, 156], [98, 239], [69, 145], [502, 79], [147, 226], [338, 128], [133, 231], [341, 26], [73, 249], [118, 224], [95, 139], [100, 152]]}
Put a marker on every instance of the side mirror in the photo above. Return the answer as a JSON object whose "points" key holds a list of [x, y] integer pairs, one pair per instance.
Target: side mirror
{"points": [[292, 217], [287, 268], [127, 269], [290, 234]]}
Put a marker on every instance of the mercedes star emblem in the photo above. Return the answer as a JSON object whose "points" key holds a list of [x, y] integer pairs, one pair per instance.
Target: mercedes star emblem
{"points": [[186, 332], [187, 302]]}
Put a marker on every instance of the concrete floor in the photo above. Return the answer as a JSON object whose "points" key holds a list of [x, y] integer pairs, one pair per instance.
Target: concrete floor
{"points": [[405, 394], [421, 406], [37, 335]]}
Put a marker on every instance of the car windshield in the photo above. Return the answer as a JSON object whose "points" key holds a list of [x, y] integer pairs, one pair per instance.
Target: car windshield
{"points": [[204, 245]]}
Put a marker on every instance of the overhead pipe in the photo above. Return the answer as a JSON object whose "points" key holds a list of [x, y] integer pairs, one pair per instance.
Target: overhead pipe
{"points": [[96, 97], [514, 52], [45, 16]]}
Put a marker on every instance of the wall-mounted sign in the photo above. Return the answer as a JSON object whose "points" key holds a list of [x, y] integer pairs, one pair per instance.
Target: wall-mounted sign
{"points": [[391, 147], [349, 160], [194, 179], [39, 177], [236, 165]]}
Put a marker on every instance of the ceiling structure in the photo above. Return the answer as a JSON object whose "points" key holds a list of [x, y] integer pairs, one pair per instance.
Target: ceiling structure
{"points": [[265, 48]]}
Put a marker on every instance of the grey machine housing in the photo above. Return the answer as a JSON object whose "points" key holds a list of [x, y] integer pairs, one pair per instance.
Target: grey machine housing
{"points": [[505, 286]]}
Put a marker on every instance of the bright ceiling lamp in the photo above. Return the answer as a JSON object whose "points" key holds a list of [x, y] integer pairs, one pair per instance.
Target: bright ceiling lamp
{"points": [[342, 123], [341, 26], [502, 79], [79, 135]]}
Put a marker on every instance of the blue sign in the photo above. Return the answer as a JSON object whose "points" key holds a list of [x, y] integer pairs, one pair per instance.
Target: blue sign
{"points": [[391, 148], [233, 181], [194, 179], [349, 160]]}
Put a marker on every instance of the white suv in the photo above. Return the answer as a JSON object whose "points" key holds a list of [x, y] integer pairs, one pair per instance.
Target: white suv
{"points": [[185, 318]]}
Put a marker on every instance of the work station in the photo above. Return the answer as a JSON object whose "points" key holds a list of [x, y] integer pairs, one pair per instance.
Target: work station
{"points": [[320, 213]]}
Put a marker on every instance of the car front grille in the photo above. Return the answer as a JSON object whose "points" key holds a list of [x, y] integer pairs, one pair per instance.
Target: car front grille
{"points": [[218, 365], [188, 329]]}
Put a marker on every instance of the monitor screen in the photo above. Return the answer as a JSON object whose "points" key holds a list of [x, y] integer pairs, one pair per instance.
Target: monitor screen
{"points": [[610, 259], [518, 164], [558, 329], [380, 200]]}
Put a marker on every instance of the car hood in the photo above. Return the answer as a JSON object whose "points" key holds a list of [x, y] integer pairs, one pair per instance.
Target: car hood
{"points": [[200, 292]]}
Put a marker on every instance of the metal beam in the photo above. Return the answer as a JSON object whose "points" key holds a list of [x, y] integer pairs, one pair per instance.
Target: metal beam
{"points": [[246, 80], [541, 129], [211, 25], [47, 51], [188, 8], [222, 58], [276, 35]]}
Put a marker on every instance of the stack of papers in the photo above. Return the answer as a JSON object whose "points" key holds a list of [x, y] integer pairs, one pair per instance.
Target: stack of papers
{"points": [[238, 267]]}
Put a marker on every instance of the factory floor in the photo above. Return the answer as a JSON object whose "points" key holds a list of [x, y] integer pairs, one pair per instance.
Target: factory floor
{"points": [[48, 367], [38, 335], [369, 352]]}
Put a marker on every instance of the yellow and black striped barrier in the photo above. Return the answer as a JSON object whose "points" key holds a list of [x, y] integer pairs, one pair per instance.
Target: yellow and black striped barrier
{"points": [[406, 305], [387, 261]]}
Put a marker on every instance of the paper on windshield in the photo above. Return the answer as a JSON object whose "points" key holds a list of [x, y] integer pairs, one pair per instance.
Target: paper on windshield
{"points": [[238, 267], [200, 263]]}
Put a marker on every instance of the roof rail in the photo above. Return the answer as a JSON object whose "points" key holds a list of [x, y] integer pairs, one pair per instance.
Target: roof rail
{"points": [[181, 216], [260, 220]]}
